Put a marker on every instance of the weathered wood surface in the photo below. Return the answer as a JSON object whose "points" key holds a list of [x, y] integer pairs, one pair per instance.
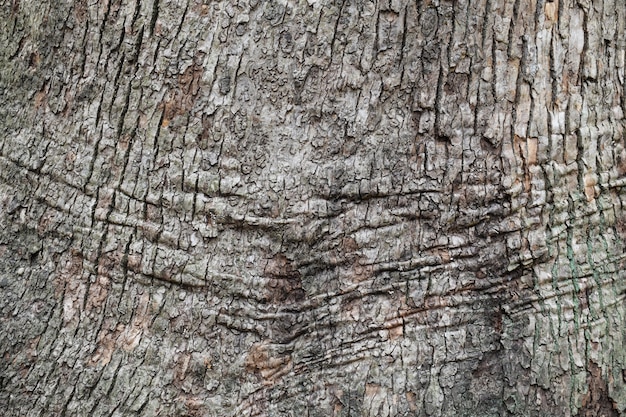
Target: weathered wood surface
{"points": [[312, 208]]}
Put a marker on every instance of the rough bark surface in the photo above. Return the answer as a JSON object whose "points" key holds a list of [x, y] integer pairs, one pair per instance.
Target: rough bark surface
{"points": [[312, 208]]}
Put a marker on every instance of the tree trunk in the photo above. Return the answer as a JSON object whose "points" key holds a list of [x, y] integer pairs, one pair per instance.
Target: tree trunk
{"points": [[312, 208]]}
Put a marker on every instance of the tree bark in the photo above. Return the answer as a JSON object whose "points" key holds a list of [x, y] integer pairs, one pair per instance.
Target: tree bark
{"points": [[312, 208]]}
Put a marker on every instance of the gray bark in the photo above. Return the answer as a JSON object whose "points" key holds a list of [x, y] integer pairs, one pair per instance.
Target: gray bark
{"points": [[312, 208]]}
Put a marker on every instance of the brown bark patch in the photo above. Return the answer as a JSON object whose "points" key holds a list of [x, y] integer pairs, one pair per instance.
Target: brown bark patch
{"points": [[182, 364], [444, 254], [590, 187], [337, 399], [107, 341], [350, 244], [134, 263], [80, 11], [411, 399], [371, 390], [357, 269], [284, 284], [31, 351], [123, 336], [190, 79], [497, 322], [552, 10], [98, 293], [597, 402], [280, 267], [182, 98], [361, 272], [194, 406], [41, 99], [267, 365], [396, 331], [531, 156]]}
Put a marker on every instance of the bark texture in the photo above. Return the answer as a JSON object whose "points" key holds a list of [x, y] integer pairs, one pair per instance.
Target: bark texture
{"points": [[312, 208]]}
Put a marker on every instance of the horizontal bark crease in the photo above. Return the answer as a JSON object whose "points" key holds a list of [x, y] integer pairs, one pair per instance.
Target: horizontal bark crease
{"points": [[312, 207]]}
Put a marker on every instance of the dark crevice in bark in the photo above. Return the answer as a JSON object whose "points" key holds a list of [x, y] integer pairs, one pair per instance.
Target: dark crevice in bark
{"points": [[154, 16]]}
